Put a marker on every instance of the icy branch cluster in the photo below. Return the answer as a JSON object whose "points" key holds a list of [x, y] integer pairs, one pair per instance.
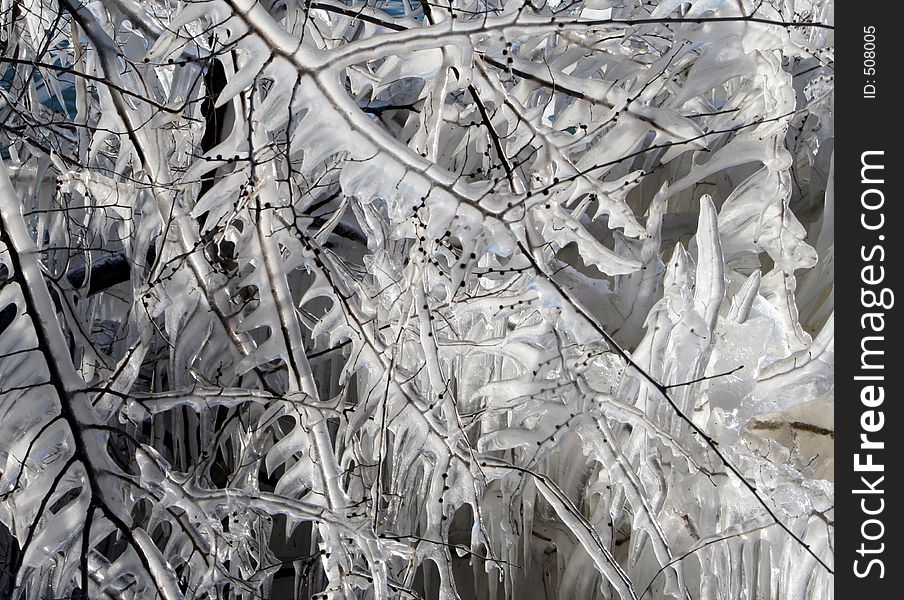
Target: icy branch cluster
{"points": [[469, 299]]}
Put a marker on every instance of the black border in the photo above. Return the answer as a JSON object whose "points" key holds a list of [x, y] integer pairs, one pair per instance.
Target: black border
{"points": [[866, 124]]}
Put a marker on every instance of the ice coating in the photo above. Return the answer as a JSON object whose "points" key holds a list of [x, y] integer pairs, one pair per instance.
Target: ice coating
{"points": [[322, 300]]}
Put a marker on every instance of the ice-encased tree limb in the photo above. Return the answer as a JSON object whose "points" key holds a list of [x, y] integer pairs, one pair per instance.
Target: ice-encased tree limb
{"points": [[457, 300]]}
